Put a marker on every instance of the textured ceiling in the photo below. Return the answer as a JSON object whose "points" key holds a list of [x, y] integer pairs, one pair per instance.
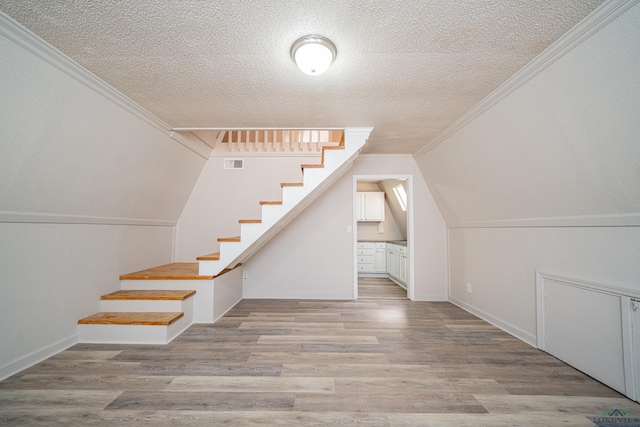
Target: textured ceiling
{"points": [[408, 68]]}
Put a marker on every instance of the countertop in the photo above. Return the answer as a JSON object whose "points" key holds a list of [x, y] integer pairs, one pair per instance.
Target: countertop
{"points": [[395, 242]]}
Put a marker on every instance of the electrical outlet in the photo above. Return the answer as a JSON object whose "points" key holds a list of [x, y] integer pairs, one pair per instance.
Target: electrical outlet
{"points": [[469, 287], [245, 274], [380, 229]]}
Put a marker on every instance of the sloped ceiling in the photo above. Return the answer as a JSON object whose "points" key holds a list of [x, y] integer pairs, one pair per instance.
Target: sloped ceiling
{"points": [[409, 68]]}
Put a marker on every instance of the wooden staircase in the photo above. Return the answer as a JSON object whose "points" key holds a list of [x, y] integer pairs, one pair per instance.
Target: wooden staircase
{"points": [[296, 196], [156, 305]]}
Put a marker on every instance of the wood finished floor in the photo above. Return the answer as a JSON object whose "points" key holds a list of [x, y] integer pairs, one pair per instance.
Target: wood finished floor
{"points": [[379, 288], [373, 362]]}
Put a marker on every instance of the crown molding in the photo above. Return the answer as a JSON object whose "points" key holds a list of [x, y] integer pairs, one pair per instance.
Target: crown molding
{"points": [[599, 18], [26, 39]]}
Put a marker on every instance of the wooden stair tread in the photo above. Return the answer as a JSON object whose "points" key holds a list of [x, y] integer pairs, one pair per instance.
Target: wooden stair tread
{"points": [[313, 165], [229, 239], [174, 271], [151, 295], [291, 184], [271, 203], [215, 256], [131, 318], [250, 221]]}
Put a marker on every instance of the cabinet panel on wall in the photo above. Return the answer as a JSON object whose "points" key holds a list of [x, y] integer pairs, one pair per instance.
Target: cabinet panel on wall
{"points": [[370, 206]]}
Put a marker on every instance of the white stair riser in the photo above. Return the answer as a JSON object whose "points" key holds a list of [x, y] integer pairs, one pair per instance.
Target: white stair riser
{"points": [[294, 199], [292, 194], [272, 213], [132, 334], [202, 300], [184, 306], [209, 268], [251, 231]]}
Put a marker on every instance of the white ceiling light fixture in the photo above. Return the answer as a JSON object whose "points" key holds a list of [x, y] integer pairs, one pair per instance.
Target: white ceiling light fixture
{"points": [[313, 54]]}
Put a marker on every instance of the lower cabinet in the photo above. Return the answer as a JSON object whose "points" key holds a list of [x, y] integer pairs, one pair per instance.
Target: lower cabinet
{"points": [[380, 258], [397, 263], [371, 257]]}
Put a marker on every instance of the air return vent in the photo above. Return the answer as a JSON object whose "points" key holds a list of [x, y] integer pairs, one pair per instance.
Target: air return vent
{"points": [[233, 163]]}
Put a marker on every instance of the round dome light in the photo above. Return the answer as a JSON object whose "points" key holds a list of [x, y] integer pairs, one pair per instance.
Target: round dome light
{"points": [[313, 54]]}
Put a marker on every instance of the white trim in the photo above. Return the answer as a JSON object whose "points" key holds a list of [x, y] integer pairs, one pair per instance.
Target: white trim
{"points": [[411, 288], [193, 143], [240, 154], [195, 129], [612, 220], [31, 42], [624, 291], [50, 218], [607, 12], [619, 289], [505, 326], [385, 156], [37, 356]]}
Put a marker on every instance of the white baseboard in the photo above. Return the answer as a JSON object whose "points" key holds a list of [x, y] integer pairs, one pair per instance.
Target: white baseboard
{"points": [[433, 297], [37, 356], [505, 326]]}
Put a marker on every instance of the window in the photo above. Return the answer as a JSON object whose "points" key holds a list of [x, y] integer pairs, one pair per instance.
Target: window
{"points": [[401, 195]]}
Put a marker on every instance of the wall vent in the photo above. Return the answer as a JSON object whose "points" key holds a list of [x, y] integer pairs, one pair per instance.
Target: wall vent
{"points": [[234, 163]]}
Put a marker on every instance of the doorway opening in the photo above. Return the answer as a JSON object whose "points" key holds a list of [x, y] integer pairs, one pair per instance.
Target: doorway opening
{"points": [[383, 236]]}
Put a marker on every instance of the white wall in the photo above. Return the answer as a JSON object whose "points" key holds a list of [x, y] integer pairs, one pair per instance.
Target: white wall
{"points": [[89, 189], [222, 197], [547, 178], [368, 231], [399, 215], [313, 256]]}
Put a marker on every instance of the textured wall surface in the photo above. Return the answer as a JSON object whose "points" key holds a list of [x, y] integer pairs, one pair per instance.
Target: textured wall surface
{"points": [[313, 257], [88, 191], [547, 179], [563, 145], [406, 68], [222, 197]]}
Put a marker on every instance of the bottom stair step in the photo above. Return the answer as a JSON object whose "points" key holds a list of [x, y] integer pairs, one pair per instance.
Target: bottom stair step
{"points": [[149, 295], [123, 327], [131, 318]]}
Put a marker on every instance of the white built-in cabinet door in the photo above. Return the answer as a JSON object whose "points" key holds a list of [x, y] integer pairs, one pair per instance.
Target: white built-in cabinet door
{"points": [[370, 206], [397, 263], [381, 257], [371, 257]]}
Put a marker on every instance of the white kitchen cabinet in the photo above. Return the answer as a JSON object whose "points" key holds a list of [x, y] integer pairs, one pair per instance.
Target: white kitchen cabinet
{"points": [[370, 206], [381, 258], [371, 257], [397, 263]]}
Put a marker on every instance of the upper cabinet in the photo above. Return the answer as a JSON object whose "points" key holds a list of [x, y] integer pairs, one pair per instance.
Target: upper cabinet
{"points": [[370, 206]]}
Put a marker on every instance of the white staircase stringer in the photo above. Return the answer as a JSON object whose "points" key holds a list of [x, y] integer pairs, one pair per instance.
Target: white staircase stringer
{"points": [[294, 200]]}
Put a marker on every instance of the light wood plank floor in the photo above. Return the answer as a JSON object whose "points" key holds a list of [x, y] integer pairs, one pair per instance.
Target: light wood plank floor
{"points": [[379, 288], [310, 363]]}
